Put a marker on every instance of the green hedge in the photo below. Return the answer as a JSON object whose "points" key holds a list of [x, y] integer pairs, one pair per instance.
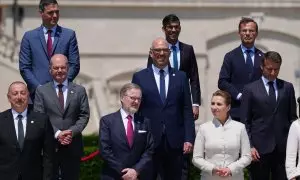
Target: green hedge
{"points": [[90, 170]]}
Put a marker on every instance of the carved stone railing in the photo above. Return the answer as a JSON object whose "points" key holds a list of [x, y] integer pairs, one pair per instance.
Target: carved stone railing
{"points": [[9, 48]]}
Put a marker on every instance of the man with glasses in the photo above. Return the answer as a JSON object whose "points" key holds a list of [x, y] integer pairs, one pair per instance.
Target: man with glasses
{"points": [[167, 103], [241, 66], [126, 143]]}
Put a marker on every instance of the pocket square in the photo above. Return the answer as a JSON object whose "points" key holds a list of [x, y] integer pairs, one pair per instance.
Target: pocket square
{"points": [[142, 131]]}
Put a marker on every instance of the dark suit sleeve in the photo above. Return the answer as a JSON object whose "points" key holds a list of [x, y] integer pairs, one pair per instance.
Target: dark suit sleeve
{"points": [[194, 79], [293, 106], [189, 123], [146, 157], [150, 61], [245, 111], [84, 114], [106, 149], [74, 59], [224, 82], [25, 63], [48, 151]]}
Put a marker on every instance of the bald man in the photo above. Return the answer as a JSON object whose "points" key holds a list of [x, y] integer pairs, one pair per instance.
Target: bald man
{"points": [[66, 104], [26, 139], [167, 103]]}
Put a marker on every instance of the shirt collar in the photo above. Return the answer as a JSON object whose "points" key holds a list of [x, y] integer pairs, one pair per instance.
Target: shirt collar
{"points": [[124, 114], [177, 45], [156, 70], [65, 83], [15, 113], [265, 81], [45, 30], [244, 49], [218, 123]]}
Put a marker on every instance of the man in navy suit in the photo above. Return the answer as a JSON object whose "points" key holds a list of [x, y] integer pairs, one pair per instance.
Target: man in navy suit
{"points": [[167, 103], [126, 143], [268, 109], [40, 44], [241, 65]]}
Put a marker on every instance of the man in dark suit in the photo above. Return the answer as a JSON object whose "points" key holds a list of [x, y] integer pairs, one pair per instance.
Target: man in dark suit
{"points": [[40, 44], [26, 139], [166, 102], [268, 109], [66, 104], [182, 57], [126, 144], [241, 65]]}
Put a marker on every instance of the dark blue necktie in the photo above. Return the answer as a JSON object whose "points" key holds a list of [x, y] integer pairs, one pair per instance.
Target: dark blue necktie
{"points": [[162, 87], [175, 61], [20, 131], [272, 95], [249, 60]]}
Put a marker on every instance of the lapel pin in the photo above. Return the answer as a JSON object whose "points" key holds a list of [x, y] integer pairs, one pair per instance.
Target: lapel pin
{"points": [[173, 74], [31, 122], [259, 54], [72, 92]]}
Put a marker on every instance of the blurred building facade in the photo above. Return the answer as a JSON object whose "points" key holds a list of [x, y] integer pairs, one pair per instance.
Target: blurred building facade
{"points": [[114, 38]]}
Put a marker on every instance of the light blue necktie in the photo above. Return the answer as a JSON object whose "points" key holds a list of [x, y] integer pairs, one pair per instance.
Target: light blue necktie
{"points": [[175, 61]]}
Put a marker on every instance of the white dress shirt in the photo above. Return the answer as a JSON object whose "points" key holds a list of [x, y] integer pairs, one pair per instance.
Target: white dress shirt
{"points": [[16, 120], [124, 115], [65, 93], [220, 146], [292, 149], [177, 54], [157, 77], [45, 30]]}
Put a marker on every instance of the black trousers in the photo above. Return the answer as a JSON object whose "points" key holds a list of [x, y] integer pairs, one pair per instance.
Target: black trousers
{"points": [[66, 164], [186, 166], [167, 162], [270, 166]]}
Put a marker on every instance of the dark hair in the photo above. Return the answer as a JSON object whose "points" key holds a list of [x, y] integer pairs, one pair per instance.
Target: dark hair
{"points": [[272, 56], [224, 95], [44, 3], [169, 19], [246, 20]]}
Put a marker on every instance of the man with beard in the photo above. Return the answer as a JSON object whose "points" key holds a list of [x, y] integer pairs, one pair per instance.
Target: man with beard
{"points": [[38, 46], [126, 143], [67, 106], [26, 139], [167, 103], [241, 65]]}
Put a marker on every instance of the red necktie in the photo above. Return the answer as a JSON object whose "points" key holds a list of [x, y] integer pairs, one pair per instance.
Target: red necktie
{"points": [[129, 133], [49, 43], [61, 95]]}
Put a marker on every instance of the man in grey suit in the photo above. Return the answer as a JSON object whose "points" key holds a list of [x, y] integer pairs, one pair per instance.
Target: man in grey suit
{"points": [[67, 106]]}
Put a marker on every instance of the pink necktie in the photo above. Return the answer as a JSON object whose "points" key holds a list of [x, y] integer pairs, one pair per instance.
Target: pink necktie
{"points": [[49, 43], [129, 133]]}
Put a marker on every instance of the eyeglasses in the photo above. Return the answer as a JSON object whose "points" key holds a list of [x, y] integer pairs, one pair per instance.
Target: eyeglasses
{"points": [[158, 50], [134, 98]]}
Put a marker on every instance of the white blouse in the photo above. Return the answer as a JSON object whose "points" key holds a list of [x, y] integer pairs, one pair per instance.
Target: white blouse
{"points": [[292, 148], [222, 146]]}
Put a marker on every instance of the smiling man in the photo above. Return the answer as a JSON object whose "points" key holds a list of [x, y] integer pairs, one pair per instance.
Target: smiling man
{"points": [[38, 46], [241, 65]]}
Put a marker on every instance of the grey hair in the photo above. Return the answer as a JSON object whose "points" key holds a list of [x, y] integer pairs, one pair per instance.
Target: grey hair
{"points": [[127, 87]]}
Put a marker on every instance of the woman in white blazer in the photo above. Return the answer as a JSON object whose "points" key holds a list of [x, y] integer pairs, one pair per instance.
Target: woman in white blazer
{"points": [[292, 149], [222, 148]]}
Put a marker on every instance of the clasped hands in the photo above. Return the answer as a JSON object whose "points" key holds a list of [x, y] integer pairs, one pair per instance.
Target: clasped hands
{"points": [[223, 172], [129, 174], [65, 137]]}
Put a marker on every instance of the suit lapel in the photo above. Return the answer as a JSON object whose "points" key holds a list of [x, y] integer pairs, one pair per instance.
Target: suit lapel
{"points": [[11, 128], [43, 41], [257, 58], [56, 37], [52, 93], [30, 122], [120, 125], [172, 74], [154, 85], [71, 94], [280, 92], [181, 52], [263, 91]]}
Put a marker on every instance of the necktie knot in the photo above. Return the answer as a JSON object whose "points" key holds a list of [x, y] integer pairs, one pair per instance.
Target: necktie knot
{"points": [[249, 51], [60, 86], [270, 83], [49, 31], [20, 117], [161, 72], [174, 48], [129, 117]]}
